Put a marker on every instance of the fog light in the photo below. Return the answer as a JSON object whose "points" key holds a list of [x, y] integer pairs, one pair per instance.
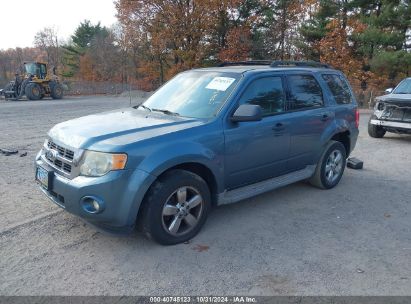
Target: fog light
{"points": [[96, 205], [92, 204]]}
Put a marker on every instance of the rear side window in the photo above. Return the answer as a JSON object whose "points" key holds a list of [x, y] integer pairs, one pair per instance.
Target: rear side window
{"points": [[266, 92], [339, 88], [305, 92]]}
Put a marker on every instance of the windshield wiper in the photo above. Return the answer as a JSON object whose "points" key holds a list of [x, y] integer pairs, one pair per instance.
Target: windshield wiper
{"points": [[144, 107], [167, 112]]}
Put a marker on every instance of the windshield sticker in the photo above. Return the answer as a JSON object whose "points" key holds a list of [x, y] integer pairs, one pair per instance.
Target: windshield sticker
{"points": [[220, 83]]}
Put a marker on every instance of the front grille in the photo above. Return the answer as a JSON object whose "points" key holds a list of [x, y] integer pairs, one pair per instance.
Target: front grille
{"points": [[397, 114], [63, 152], [64, 160], [407, 115]]}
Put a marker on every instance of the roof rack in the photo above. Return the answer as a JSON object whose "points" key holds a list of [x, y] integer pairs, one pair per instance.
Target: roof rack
{"points": [[277, 63], [314, 64], [248, 62]]}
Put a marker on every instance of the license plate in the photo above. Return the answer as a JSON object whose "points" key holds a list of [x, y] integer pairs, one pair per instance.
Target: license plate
{"points": [[43, 177]]}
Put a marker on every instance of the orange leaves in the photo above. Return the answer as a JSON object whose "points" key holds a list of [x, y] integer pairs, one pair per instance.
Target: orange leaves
{"points": [[337, 49], [238, 45], [170, 35], [334, 47], [86, 68]]}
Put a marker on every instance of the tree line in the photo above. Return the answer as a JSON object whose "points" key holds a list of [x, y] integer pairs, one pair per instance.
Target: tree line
{"points": [[370, 41]]}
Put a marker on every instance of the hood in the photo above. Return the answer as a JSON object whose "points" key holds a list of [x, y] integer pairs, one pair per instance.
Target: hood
{"points": [[130, 124], [396, 98]]}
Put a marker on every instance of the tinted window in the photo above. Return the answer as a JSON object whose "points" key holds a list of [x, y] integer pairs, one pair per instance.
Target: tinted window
{"points": [[305, 92], [266, 92], [339, 88]]}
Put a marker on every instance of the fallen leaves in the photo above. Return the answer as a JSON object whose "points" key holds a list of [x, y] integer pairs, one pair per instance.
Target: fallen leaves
{"points": [[201, 248]]}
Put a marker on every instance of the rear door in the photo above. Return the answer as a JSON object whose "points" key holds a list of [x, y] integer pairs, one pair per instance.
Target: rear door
{"points": [[310, 117], [258, 150]]}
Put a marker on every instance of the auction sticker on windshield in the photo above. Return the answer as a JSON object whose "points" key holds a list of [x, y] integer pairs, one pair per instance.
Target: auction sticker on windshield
{"points": [[220, 83]]}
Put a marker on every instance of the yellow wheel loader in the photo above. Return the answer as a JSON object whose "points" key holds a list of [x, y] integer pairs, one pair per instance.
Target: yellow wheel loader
{"points": [[35, 83]]}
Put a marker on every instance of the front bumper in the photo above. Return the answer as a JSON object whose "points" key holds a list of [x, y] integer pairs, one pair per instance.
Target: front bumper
{"points": [[391, 124], [121, 191]]}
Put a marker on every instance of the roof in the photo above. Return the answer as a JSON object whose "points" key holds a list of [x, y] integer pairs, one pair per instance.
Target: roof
{"points": [[40, 62]]}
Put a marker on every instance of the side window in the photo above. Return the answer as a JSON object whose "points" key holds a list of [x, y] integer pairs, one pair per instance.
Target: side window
{"points": [[266, 92], [339, 88], [305, 92], [43, 70]]}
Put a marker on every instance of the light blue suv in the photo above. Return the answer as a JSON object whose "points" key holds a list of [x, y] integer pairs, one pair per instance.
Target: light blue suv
{"points": [[207, 137]]}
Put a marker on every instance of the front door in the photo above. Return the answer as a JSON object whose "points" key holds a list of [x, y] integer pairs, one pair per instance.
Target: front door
{"points": [[255, 151]]}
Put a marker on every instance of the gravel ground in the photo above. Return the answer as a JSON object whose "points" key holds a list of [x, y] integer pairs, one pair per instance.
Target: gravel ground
{"points": [[299, 240]]}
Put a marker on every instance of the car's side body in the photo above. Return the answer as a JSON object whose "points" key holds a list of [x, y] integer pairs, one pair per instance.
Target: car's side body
{"points": [[236, 159]]}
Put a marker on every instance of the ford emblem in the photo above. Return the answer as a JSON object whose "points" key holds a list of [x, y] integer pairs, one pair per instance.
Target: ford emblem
{"points": [[52, 154]]}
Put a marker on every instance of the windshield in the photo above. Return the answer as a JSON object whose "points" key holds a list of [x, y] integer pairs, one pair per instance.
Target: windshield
{"points": [[197, 94], [31, 68], [404, 87]]}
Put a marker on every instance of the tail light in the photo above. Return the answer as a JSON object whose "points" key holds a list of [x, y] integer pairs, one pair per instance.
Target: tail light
{"points": [[357, 118]]}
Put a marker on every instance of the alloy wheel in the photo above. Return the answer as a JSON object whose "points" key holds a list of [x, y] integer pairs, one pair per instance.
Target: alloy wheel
{"points": [[182, 211], [334, 166]]}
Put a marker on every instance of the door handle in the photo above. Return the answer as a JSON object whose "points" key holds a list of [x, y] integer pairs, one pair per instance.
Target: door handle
{"points": [[278, 127], [324, 117]]}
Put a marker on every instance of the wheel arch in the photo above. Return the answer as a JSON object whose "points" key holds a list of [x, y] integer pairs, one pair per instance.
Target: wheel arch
{"points": [[201, 170], [197, 167], [344, 138]]}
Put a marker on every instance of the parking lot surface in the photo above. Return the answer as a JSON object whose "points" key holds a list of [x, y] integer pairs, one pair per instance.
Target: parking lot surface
{"points": [[352, 240]]}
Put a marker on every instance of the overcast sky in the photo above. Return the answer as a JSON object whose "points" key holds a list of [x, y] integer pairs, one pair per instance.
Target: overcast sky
{"points": [[20, 20]]}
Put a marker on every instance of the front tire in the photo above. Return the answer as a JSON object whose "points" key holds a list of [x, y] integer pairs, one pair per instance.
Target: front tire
{"points": [[331, 166], [33, 91], [375, 131], [176, 207]]}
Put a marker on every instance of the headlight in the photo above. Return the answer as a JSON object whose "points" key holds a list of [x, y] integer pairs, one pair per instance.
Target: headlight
{"points": [[380, 106], [99, 163]]}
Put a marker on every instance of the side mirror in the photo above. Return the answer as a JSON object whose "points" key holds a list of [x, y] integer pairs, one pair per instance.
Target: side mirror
{"points": [[389, 90], [247, 112]]}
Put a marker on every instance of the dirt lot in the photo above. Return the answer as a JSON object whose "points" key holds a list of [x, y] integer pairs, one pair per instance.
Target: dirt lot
{"points": [[351, 240]]}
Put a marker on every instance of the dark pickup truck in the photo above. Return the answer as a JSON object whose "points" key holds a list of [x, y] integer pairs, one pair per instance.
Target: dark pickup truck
{"points": [[392, 112]]}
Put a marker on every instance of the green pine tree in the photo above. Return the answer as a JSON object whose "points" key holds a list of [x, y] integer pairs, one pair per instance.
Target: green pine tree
{"points": [[81, 41]]}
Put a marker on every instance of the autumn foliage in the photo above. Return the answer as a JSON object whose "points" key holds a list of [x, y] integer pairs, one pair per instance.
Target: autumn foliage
{"points": [[155, 39]]}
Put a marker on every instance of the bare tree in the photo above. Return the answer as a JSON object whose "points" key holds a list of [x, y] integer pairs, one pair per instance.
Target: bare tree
{"points": [[47, 41]]}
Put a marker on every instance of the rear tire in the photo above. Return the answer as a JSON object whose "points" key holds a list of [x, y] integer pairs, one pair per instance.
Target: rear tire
{"points": [[175, 208], [57, 91], [33, 91], [331, 166], [375, 131]]}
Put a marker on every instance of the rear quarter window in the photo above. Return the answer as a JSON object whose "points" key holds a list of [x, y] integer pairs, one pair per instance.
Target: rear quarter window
{"points": [[339, 88]]}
